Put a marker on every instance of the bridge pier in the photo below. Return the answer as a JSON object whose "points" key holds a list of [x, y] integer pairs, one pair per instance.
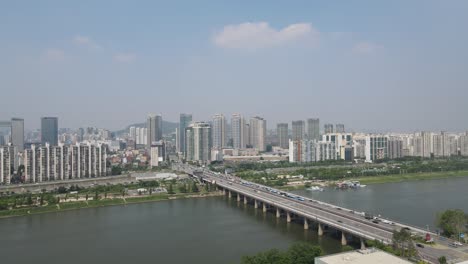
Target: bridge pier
{"points": [[278, 213], [344, 242], [320, 229], [264, 208], [224, 191], [255, 204], [363, 244], [238, 197], [306, 224], [229, 194], [288, 217], [245, 199]]}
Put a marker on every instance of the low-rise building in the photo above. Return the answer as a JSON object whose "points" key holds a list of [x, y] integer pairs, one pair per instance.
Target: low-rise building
{"points": [[365, 256]]}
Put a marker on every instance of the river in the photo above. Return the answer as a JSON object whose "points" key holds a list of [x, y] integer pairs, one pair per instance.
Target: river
{"points": [[205, 230]]}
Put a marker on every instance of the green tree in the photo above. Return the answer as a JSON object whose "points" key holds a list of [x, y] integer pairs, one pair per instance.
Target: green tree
{"points": [[303, 253], [299, 253], [194, 187], [87, 196], [183, 188], [403, 243], [3, 205], [116, 170], [29, 200], [170, 189], [96, 196], [267, 257], [442, 260], [452, 222]]}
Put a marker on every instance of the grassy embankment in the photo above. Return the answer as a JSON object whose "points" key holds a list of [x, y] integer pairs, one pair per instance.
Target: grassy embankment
{"points": [[411, 177], [73, 205], [392, 178]]}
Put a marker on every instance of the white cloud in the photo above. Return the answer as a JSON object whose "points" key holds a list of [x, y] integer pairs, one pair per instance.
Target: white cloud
{"points": [[366, 47], [260, 34], [125, 57], [86, 42], [54, 55]]}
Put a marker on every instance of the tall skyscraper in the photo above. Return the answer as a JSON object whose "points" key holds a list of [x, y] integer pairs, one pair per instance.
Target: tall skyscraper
{"points": [[219, 131], [49, 130], [258, 133], [154, 129], [328, 128], [238, 131], [17, 133], [313, 129], [184, 122], [198, 142], [340, 128], [283, 138], [298, 129]]}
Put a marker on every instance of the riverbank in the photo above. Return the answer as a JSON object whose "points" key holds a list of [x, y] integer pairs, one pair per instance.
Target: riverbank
{"points": [[75, 205], [411, 177], [387, 179]]}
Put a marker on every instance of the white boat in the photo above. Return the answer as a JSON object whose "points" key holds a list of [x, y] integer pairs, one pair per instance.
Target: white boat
{"points": [[315, 188]]}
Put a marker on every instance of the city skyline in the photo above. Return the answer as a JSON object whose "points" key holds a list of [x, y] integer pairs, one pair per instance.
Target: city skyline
{"points": [[387, 66]]}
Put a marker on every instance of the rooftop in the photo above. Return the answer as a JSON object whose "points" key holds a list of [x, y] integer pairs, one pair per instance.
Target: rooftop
{"points": [[367, 256]]}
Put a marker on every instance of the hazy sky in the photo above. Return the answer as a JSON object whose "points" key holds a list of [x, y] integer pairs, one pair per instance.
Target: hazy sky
{"points": [[384, 65]]}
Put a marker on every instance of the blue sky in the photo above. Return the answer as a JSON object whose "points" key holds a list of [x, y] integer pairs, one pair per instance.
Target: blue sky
{"points": [[372, 65]]}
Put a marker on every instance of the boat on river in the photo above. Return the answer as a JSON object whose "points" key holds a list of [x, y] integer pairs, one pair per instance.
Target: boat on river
{"points": [[315, 189]]}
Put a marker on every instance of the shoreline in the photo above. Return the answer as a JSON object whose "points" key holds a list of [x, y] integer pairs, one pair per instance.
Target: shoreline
{"points": [[411, 177], [100, 203], [393, 178]]}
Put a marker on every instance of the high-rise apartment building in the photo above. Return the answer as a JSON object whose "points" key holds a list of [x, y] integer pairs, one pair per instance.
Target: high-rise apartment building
{"points": [[219, 131], [64, 162], [427, 147], [313, 129], [463, 142], [17, 133], [311, 151], [154, 129], [258, 133], [132, 133], [198, 142], [49, 130], [282, 131], [184, 122], [395, 148], [7, 163], [238, 131], [328, 128], [298, 130], [339, 128], [376, 147]]}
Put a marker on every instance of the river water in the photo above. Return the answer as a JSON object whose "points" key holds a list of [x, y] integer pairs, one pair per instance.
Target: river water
{"points": [[205, 230]]}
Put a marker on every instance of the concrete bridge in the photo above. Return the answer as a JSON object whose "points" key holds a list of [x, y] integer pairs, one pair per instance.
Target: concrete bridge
{"points": [[303, 209]]}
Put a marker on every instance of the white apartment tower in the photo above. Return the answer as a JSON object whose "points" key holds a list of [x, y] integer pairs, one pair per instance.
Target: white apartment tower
{"points": [[238, 131], [258, 133], [219, 131]]}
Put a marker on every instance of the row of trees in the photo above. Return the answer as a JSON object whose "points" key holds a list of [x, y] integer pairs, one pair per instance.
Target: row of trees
{"points": [[256, 171]]}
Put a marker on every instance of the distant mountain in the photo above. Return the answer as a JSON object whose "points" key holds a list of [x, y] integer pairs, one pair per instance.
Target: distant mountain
{"points": [[168, 127]]}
